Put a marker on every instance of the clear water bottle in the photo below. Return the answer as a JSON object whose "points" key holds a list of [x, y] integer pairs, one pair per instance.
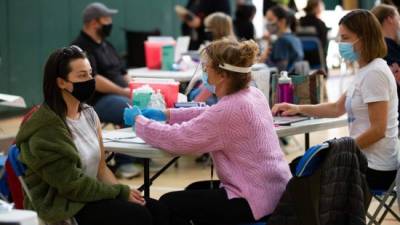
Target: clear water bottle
{"points": [[285, 88]]}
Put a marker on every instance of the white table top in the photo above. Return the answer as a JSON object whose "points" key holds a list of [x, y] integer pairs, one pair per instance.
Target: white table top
{"points": [[144, 72], [22, 217], [311, 125], [143, 150], [128, 147], [12, 101]]}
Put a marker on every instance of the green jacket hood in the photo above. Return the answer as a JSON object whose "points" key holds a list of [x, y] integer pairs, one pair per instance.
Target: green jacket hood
{"points": [[42, 118]]}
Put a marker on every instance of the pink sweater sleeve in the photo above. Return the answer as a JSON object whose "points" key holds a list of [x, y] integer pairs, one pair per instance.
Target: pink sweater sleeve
{"points": [[199, 135], [184, 114]]}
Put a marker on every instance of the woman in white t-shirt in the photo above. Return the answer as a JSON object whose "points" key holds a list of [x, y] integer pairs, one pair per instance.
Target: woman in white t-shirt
{"points": [[370, 101]]}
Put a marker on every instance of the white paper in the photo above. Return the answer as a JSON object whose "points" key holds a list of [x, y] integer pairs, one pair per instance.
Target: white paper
{"points": [[182, 46], [12, 100], [261, 77], [122, 137], [166, 39]]}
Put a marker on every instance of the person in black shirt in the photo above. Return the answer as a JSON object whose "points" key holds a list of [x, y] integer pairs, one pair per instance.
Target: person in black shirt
{"points": [[388, 17], [193, 26], [313, 11], [112, 92], [395, 3], [244, 28]]}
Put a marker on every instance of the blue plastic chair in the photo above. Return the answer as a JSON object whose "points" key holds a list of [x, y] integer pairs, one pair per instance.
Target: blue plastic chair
{"points": [[313, 52], [19, 170], [4, 190], [311, 160], [18, 167]]}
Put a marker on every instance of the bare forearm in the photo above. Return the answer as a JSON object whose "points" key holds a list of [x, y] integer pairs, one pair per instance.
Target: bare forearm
{"points": [[377, 112], [105, 175], [320, 110], [194, 23], [104, 85], [369, 137]]}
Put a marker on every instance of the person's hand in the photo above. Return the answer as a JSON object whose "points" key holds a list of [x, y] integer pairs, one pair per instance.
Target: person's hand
{"points": [[154, 114], [127, 92], [285, 109], [265, 55], [130, 115], [136, 197], [395, 68], [194, 23]]}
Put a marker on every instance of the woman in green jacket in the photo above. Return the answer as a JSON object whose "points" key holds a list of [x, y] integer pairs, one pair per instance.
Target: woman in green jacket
{"points": [[61, 145]]}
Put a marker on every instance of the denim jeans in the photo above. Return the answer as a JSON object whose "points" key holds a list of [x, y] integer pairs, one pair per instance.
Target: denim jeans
{"points": [[110, 109]]}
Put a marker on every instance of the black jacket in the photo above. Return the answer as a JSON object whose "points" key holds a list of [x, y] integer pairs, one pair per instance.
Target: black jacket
{"points": [[336, 193]]}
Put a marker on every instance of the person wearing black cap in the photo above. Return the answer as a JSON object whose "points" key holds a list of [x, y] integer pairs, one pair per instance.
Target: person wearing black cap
{"points": [[112, 92]]}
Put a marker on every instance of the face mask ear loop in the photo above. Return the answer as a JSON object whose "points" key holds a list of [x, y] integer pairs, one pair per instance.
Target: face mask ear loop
{"points": [[192, 82], [355, 41]]}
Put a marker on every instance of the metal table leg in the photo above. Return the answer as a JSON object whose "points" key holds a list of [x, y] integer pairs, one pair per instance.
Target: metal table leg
{"points": [[307, 140], [146, 184], [149, 181]]}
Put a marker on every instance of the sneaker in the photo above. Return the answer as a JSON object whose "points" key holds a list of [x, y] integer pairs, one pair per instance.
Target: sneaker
{"points": [[127, 171]]}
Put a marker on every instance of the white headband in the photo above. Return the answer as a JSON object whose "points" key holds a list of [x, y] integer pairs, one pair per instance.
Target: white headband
{"points": [[233, 68]]}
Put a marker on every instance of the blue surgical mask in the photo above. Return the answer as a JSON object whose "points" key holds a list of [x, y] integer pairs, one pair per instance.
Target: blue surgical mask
{"points": [[347, 52], [210, 87]]}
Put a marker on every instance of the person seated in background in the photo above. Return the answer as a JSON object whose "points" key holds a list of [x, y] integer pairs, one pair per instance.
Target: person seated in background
{"points": [[62, 149], [112, 81], [193, 21], [238, 132], [244, 28], [217, 26], [370, 101], [312, 19], [395, 3], [388, 17], [286, 48]]}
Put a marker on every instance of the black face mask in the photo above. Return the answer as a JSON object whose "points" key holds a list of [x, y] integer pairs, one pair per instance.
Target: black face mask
{"points": [[83, 90], [208, 35], [105, 30]]}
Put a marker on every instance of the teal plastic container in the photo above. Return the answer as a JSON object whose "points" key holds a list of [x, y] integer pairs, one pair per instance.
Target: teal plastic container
{"points": [[141, 99], [167, 57]]}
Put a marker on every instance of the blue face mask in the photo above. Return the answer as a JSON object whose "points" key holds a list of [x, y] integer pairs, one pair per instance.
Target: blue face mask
{"points": [[210, 87], [347, 52]]}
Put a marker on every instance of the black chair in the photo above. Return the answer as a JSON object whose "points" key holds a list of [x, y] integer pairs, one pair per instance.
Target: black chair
{"points": [[135, 46], [386, 199]]}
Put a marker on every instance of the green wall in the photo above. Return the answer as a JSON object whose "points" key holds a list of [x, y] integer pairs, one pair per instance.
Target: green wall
{"points": [[31, 29]]}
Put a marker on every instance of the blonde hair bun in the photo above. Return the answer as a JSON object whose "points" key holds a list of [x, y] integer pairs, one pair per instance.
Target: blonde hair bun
{"points": [[248, 51]]}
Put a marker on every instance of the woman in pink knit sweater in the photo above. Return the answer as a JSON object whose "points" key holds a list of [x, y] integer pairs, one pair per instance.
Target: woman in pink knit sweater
{"points": [[239, 134]]}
